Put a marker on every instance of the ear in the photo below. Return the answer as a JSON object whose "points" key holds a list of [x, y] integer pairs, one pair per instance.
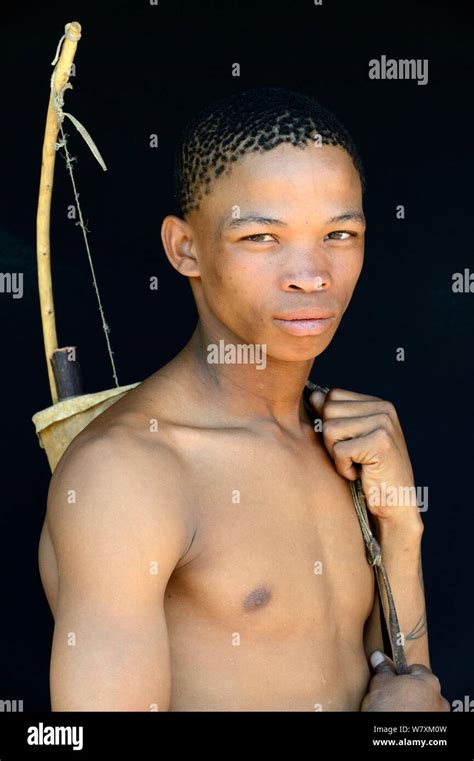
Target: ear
{"points": [[178, 242]]}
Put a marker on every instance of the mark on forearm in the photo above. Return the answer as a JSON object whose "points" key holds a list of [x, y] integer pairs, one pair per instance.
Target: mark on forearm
{"points": [[420, 628]]}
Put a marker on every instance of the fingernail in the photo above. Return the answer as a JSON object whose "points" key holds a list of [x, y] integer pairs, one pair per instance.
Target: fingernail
{"points": [[376, 658], [317, 397]]}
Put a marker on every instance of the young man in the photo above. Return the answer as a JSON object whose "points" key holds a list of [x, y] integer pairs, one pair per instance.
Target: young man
{"points": [[201, 549]]}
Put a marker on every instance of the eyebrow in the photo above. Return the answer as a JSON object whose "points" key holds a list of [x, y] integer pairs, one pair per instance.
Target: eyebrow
{"points": [[348, 216], [353, 216], [239, 221]]}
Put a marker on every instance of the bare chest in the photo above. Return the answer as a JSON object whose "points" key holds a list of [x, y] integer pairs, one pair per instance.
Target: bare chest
{"points": [[277, 549]]}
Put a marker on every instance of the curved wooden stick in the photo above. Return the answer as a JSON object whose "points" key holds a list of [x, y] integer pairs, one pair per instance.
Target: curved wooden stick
{"points": [[43, 248]]}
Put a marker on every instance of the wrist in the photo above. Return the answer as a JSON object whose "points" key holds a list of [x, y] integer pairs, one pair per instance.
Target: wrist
{"points": [[406, 530]]}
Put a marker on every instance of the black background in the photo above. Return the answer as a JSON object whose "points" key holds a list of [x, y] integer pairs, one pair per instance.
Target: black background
{"points": [[142, 69]]}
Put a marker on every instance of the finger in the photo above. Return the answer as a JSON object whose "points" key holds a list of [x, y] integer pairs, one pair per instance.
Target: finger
{"points": [[330, 408], [382, 664], [424, 674], [343, 429], [343, 394], [364, 450], [317, 399]]}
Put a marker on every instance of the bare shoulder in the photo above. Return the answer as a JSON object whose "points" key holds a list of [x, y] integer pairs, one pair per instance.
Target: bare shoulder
{"points": [[119, 488]]}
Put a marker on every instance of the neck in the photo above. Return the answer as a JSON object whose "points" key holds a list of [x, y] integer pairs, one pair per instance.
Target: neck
{"points": [[240, 391]]}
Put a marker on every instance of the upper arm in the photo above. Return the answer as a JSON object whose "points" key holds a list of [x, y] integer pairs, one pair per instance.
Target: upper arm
{"points": [[118, 531]]}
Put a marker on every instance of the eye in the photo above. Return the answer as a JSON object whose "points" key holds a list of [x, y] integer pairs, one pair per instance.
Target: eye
{"points": [[258, 235], [341, 232]]}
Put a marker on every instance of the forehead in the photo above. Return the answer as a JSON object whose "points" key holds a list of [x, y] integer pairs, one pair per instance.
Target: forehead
{"points": [[289, 178]]}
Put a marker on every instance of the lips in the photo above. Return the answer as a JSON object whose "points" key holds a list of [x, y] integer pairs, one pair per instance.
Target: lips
{"points": [[305, 314], [305, 322]]}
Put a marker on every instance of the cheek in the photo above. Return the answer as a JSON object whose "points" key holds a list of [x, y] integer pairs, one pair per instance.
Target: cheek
{"points": [[234, 294], [221, 286], [232, 284], [347, 273]]}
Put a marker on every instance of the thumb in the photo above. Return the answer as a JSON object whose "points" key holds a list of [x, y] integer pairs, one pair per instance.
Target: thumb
{"points": [[381, 663], [317, 399]]}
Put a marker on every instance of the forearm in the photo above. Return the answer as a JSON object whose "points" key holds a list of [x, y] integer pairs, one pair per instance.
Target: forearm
{"points": [[401, 553]]}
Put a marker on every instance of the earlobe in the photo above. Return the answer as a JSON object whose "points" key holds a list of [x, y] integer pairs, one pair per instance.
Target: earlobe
{"points": [[177, 239]]}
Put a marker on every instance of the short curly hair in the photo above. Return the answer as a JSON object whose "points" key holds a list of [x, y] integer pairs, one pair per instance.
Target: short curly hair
{"points": [[252, 120]]}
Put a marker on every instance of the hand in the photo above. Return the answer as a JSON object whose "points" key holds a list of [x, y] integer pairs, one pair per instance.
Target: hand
{"points": [[360, 430], [417, 691]]}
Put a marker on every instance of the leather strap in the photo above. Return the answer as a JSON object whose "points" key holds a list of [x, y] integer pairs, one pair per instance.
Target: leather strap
{"points": [[374, 558]]}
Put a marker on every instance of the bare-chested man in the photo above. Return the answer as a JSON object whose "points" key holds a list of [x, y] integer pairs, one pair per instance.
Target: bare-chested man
{"points": [[201, 551]]}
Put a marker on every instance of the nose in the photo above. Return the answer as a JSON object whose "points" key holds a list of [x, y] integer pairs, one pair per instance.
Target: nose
{"points": [[307, 282], [306, 268]]}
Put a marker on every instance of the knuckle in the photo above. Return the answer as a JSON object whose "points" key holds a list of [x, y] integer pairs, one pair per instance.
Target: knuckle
{"points": [[329, 409], [330, 426], [339, 448], [436, 682], [388, 407], [385, 419], [383, 437]]}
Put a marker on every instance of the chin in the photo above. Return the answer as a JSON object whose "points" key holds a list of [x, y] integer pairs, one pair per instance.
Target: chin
{"points": [[306, 351]]}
